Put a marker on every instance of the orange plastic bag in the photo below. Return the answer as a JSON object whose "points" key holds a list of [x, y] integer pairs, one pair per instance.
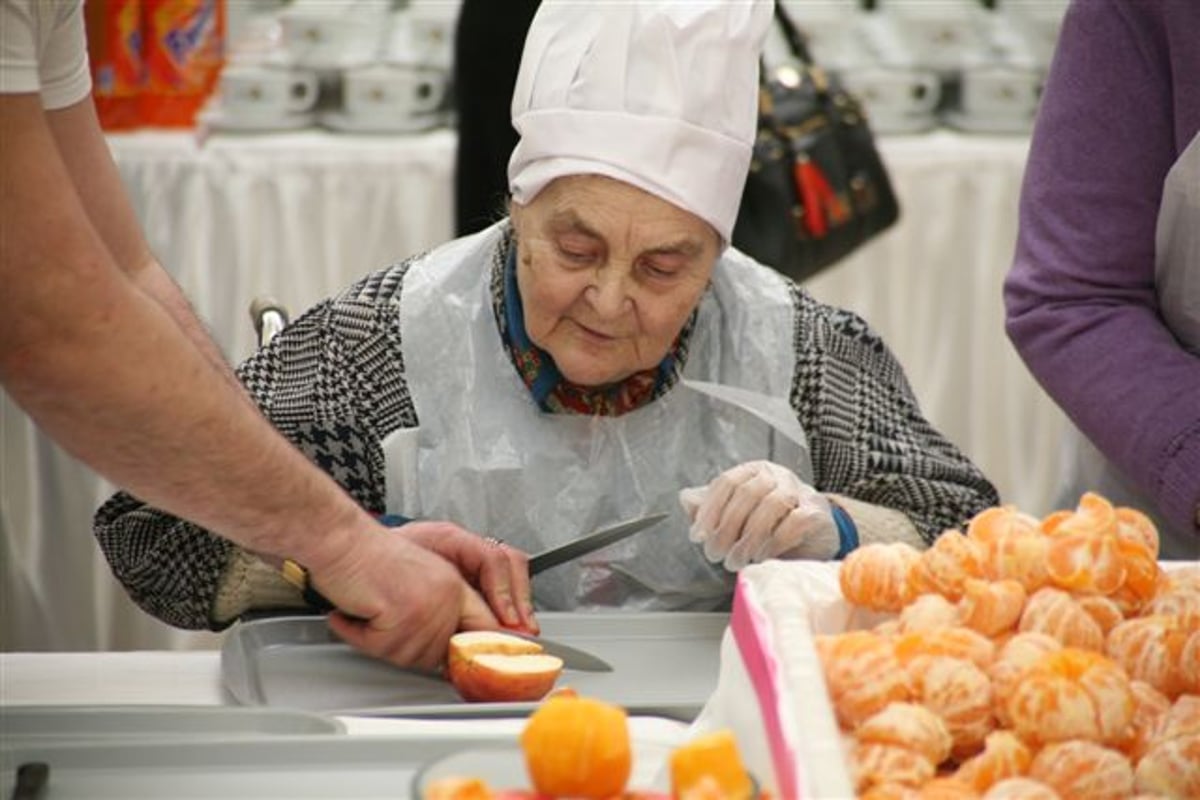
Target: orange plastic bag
{"points": [[114, 38], [184, 43]]}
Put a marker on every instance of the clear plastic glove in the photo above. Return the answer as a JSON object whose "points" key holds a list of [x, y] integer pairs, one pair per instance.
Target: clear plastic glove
{"points": [[758, 511]]}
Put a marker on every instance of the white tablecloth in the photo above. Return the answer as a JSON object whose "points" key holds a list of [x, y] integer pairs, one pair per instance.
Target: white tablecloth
{"points": [[301, 215], [148, 678]]}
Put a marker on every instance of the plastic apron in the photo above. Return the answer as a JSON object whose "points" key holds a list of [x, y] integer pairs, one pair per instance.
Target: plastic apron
{"points": [[485, 457], [1177, 278]]}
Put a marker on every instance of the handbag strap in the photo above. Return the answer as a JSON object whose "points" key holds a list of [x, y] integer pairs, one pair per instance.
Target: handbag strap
{"points": [[796, 40], [798, 43]]}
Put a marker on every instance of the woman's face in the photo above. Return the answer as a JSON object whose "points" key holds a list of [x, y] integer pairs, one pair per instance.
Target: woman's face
{"points": [[608, 275]]}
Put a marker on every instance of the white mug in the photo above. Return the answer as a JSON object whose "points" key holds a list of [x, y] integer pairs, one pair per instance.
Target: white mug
{"points": [[392, 91], [265, 91], [892, 93], [1000, 92], [431, 29], [940, 34], [332, 37]]}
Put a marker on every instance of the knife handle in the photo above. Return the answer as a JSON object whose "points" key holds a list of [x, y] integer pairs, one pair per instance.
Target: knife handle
{"points": [[32, 777], [298, 576]]}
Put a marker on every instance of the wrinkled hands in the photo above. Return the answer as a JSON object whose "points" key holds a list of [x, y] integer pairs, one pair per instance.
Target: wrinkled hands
{"points": [[401, 597], [499, 571], [758, 511]]}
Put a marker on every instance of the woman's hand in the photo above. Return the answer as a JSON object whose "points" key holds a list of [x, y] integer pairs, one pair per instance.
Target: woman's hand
{"points": [[758, 511], [499, 571]]}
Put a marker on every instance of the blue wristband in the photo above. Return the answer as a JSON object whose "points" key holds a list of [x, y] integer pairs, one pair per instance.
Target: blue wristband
{"points": [[393, 520], [847, 532]]}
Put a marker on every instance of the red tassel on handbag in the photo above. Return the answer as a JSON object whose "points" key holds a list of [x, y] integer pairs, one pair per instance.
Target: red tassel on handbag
{"points": [[820, 204]]}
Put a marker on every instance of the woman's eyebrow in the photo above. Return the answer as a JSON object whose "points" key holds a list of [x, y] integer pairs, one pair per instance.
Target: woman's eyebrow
{"points": [[689, 248], [570, 222]]}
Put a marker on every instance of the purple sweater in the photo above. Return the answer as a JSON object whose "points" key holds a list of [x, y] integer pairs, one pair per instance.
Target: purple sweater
{"points": [[1121, 103]]}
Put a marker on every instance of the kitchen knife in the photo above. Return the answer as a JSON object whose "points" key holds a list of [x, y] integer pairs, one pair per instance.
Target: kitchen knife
{"points": [[296, 575], [592, 541]]}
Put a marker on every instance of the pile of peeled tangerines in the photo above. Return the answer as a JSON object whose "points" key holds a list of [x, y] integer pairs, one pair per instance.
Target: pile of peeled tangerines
{"points": [[1027, 660], [579, 747]]}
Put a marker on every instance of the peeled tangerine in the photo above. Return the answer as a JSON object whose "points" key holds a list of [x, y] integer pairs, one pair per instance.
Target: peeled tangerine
{"points": [[911, 726], [862, 673], [577, 747], [1181, 603], [1181, 720], [1054, 612], [1017, 655], [1151, 649], [711, 765], [946, 565], [1104, 611], [947, 788], [928, 612], [1171, 765], [1093, 514], [1144, 578], [1082, 770], [1071, 694], [957, 642], [1133, 525], [877, 764], [1149, 706], [939, 788], [1171, 768], [1083, 555], [1004, 756], [875, 576], [991, 607], [1020, 556], [1021, 789], [959, 692], [1000, 522]]}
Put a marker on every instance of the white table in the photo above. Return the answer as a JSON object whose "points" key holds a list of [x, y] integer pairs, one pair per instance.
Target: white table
{"points": [[301, 215], [193, 678], [155, 679]]}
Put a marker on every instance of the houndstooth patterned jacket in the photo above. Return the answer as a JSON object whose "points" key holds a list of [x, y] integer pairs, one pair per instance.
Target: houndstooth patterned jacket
{"points": [[333, 382]]}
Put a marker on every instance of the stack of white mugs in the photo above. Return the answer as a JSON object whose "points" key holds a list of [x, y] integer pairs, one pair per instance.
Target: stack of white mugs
{"points": [[385, 66], [364, 66], [918, 64]]}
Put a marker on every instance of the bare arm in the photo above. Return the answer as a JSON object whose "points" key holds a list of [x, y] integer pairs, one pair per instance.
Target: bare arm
{"points": [[110, 374], [80, 143]]}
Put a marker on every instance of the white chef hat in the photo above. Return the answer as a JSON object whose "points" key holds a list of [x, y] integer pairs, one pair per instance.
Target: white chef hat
{"points": [[662, 95]]}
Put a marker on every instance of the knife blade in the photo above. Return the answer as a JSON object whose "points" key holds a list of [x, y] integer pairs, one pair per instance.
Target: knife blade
{"points": [[572, 657], [592, 541]]}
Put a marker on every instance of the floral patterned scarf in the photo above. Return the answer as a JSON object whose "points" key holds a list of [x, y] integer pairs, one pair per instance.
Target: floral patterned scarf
{"points": [[550, 390]]}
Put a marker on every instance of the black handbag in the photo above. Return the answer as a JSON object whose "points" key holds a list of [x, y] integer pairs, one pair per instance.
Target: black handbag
{"points": [[817, 188]]}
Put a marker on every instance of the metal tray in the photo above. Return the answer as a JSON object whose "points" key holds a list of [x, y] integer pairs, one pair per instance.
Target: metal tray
{"points": [[664, 664], [21, 725], [286, 768]]}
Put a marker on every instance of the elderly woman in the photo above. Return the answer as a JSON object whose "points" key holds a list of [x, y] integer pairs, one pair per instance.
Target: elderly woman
{"points": [[600, 354]]}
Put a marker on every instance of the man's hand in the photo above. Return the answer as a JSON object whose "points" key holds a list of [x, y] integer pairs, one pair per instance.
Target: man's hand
{"points": [[399, 601], [757, 511], [494, 568]]}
